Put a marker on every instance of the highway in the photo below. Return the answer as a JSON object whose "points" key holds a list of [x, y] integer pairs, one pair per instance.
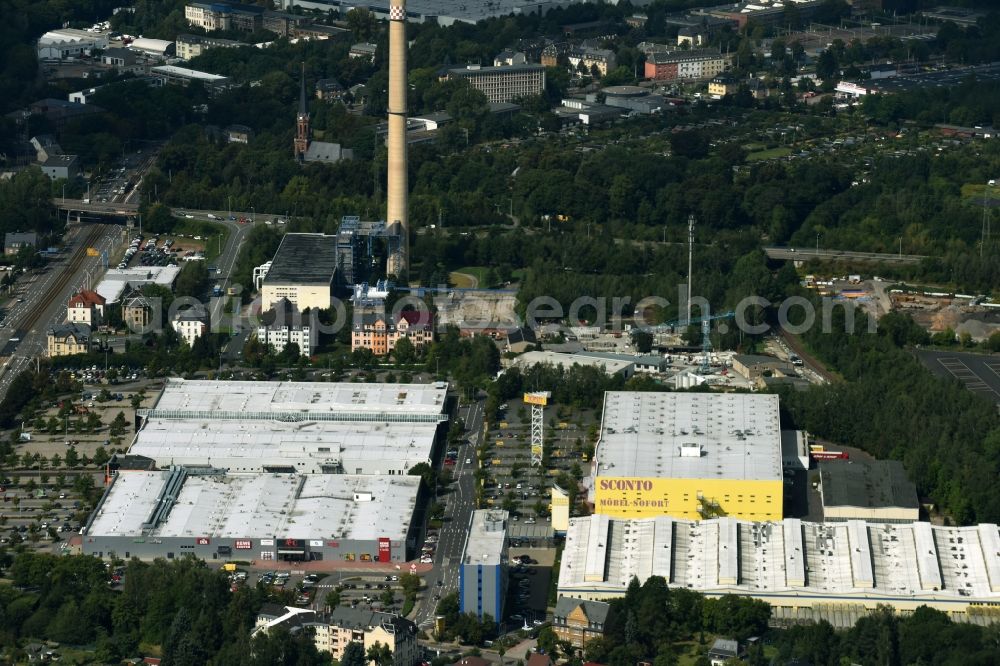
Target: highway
{"points": [[459, 504], [41, 300], [805, 254]]}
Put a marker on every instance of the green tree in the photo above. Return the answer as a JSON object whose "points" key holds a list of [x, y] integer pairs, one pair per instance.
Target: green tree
{"points": [[354, 655]]}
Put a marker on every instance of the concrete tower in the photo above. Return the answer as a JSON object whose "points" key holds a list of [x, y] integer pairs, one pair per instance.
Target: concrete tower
{"points": [[301, 143], [397, 201]]}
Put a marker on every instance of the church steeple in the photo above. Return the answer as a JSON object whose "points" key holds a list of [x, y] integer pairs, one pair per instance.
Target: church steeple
{"points": [[301, 143], [303, 110]]}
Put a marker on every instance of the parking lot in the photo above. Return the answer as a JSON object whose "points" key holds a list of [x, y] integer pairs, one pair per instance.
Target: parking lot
{"points": [[42, 510], [512, 483], [979, 373]]}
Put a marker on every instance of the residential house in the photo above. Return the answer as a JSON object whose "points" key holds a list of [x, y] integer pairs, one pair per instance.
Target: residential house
{"points": [[508, 57], [329, 90], [603, 59], [375, 331], [85, 307], [346, 625], [83, 96], [334, 631], [191, 324], [283, 324], [553, 53], [723, 85], [137, 312], [722, 650], [685, 65], [538, 659], [238, 133], [364, 50], [578, 621], [68, 339], [14, 241]]}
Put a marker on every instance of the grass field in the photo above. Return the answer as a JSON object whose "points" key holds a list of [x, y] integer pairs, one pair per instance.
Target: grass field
{"points": [[469, 277], [209, 232], [977, 191], [769, 154]]}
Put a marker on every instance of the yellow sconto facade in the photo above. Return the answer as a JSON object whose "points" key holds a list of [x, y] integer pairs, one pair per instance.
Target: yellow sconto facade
{"points": [[560, 509], [689, 455], [694, 499]]}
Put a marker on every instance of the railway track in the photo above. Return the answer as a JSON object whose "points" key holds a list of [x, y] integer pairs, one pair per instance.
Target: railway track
{"points": [[67, 276]]}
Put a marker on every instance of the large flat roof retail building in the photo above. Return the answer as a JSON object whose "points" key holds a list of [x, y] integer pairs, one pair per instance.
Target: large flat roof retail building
{"points": [[689, 455], [219, 517], [301, 427], [831, 570]]}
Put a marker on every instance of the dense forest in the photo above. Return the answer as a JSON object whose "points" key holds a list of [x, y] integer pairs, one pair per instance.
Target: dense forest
{"points": [[185, 613], [947, 436], [181, 610]]}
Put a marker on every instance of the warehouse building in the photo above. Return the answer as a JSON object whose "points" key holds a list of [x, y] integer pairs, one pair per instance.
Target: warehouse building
{"points": [[482, 577], [171, 74], [689, 455], [831, 571], [70, 43], [612, 366], [876, 491], [217, 516], [304, 270], [157, 48], [292, 427]]}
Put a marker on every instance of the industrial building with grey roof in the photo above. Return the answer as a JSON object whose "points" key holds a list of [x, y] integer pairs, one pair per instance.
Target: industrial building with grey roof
{"points": [[833, 571], [876, 491]]}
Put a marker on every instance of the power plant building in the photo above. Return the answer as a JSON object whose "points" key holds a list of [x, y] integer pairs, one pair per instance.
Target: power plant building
{"points": [[482, 576], [832, 571], [397, 179], [304, 271], [689, 455]]}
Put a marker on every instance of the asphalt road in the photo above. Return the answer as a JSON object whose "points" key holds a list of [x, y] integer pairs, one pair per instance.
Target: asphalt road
{"points": [[459, 505], [43, 297]]}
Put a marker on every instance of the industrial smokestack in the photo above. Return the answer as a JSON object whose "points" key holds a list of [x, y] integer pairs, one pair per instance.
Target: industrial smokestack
{"points": [[397, 202]]}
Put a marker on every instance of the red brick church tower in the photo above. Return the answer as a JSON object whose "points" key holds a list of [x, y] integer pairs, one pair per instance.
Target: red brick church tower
{"points": [[301, 143]]}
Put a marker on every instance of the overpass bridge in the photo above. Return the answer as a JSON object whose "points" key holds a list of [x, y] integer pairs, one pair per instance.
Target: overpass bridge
{"points": [[109, 208], [805, 254]]}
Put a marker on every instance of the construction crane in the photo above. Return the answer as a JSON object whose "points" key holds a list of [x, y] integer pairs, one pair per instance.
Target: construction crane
{"points": [[706, 339]]}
